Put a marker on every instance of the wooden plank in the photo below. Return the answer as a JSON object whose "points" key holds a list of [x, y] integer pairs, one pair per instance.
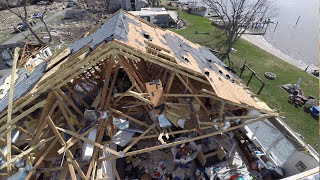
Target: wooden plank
{"points": [[252, 116], [193, 92], [59, 81], [115, 75], [25, 152], [49, 107], [24, 131], [107, 75], [74, 140], [20, 116], [129, 117], [220, 115], [88, 140], [7, 130], [83, 88], [76, 95], [71, 169], [66, 117], [141, 135], [130, 72], [101, 132], [180, 142], [42, 157], [119, 98], [115, 172], [63, 143], [65, 97], [3, 155], [169, 83], [13, 146]]}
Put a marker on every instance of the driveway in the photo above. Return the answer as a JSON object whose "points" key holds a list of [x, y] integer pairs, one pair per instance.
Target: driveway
{"points": [[18, 37]]}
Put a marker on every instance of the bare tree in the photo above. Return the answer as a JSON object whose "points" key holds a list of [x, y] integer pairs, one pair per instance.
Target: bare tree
{"points": [[154, 2], [236, 17], [24, 18]]}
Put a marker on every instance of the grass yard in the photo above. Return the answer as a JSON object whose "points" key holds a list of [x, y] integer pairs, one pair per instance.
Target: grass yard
{"points": [[261, 61]]}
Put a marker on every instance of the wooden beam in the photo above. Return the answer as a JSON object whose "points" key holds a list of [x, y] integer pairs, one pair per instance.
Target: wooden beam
{"points": [[220, 115], [180, 142], [66, 117], [129, 117], [252, 116], [83, 88], [48, 109], [119, 98], [12, 84], [20, 116], [25, 152], [107, 75], [76, 95], [63, 143], [3, 141], [169, 83], [71, 169], [24, 131], [88, 141], [7, 130], [74, 140], [114, 77], [39, 161], [65, 97], [193, 92], [141, 135]]}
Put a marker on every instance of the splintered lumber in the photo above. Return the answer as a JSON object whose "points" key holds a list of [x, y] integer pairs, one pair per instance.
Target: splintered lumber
{"points": [[48, 109], [141, 135], [107, 75], [193, 92], [131, 153], [36, 165], [65, 97], [63, 143], [20, 116], [88, 141], [129, 117], [74, 140], [76, 95], [115, 75], [25, 152], [101, 131], [7, 130]]}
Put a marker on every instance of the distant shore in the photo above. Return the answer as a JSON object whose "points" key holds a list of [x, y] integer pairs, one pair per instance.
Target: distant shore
{"points": [[261, 43]]}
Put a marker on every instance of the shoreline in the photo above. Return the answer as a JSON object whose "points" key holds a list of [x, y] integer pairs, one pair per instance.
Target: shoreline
{"points": [[260, 42]]}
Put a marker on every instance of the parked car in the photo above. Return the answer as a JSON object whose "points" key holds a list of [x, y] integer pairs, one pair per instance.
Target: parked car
{"points": [[36, 16], [22, 26], [72, 4], [42, 3]]}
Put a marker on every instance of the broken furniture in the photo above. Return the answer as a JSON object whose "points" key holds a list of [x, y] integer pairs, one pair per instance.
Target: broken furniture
{"points": [[114, 64]]}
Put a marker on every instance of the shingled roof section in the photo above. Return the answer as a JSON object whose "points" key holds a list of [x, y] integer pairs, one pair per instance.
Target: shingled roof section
{"points": [[135, 33]]}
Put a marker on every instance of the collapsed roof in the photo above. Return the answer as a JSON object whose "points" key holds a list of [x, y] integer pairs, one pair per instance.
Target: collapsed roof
{"points": [[184, 56], [122, 64]]}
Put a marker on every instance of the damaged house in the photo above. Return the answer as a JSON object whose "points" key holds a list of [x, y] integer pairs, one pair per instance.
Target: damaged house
{"points": [[131, 100]]}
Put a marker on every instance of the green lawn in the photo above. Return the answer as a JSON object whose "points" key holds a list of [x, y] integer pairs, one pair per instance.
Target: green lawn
{"points": [[261, 61]]}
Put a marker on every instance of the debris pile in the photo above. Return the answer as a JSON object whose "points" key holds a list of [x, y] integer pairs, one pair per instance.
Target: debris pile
{"points": [[115, 101]]}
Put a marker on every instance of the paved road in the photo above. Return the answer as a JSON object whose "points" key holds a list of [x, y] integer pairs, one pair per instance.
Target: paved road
{"points": [[20, 36]]}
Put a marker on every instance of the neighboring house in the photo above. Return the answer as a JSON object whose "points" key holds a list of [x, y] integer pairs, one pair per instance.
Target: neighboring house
{"points": [[198, 10], [31, 54], [155, 15], [129, 5], [36, 59], [75, 14]]}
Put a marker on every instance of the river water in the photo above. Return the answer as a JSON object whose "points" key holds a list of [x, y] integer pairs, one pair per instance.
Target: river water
{"points": [[299, 41]]}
